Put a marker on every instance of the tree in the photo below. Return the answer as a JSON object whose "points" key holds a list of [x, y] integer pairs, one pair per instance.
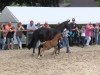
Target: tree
{"points": [[98, 2], [45, 3], [4, 3]]}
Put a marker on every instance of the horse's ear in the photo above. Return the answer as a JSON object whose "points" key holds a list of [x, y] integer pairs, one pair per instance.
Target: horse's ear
{"points": [[68, 20]]}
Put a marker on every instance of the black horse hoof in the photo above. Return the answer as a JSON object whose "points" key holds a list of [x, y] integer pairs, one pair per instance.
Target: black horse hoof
{"points": [[68, 52]]}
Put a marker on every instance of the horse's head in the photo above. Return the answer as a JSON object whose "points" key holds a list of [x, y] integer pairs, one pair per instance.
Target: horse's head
{"points": [[67, 24], [64, 25]]}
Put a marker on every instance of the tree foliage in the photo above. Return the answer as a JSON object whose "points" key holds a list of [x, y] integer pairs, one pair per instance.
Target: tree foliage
{"points": [[98, 2], [4, 3], [44, 3]]}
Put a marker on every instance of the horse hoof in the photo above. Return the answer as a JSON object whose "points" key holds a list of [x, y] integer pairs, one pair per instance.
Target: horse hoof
{"points": [[41, 55], [38, 56], [68, 52]]}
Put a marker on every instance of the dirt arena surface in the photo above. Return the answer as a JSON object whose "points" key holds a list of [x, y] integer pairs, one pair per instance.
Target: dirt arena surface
{"points": [[81, 61]]}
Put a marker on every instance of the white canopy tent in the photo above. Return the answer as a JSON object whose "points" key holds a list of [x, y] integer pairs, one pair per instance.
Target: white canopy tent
{"points": [[52, 15]]}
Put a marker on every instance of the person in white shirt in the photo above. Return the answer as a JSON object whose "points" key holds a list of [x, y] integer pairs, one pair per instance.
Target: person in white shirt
{"points": [[82, 31], [30, 28], [65, 40]]}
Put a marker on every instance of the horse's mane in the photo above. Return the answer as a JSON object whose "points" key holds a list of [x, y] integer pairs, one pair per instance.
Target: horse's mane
{"points": [[61, 26]]}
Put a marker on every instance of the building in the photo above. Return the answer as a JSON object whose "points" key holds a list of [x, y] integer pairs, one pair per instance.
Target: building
{"points": [[83, 3]]}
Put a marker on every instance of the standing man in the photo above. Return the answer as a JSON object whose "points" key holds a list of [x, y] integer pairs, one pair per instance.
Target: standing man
{"points": [[74, 29], [30, 28]]}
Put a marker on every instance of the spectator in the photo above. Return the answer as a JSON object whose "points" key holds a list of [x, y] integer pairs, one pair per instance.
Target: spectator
{"points": [[46, 25], [4, 37], [82, 31], [96, 33], [30, 28], [74, 28], [1, 36], [10, 34], [89, 33], [19, 34]]}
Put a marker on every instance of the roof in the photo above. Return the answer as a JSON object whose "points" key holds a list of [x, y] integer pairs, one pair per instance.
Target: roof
{"points": [[52, 15], [83, 3]]}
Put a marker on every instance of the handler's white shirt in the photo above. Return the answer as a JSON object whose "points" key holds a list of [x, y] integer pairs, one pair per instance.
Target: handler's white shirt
{"points": [[33, 27]]}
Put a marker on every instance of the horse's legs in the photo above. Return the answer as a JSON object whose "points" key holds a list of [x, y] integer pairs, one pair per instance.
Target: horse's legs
{"points": [[42, 52], [33, 50], [39, 49], [55, 51], [34, 45], [58, 47]]}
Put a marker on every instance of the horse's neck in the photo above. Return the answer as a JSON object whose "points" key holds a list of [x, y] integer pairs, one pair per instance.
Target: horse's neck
{"points": [[61, 26]]}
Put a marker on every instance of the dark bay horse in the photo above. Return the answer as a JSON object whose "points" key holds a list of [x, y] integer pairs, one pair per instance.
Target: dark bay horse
{"points": [[44, 34]]}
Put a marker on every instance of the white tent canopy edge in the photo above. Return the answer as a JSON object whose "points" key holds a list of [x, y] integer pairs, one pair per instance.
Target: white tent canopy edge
{"points": [[52, 15]]}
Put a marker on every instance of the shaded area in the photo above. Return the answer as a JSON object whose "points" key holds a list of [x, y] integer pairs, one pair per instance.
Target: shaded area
{"points": [[83, 3]]}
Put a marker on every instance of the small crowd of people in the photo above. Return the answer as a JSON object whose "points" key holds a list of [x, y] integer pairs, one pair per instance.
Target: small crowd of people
{"points": [[75, 35], [8, 31]]}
